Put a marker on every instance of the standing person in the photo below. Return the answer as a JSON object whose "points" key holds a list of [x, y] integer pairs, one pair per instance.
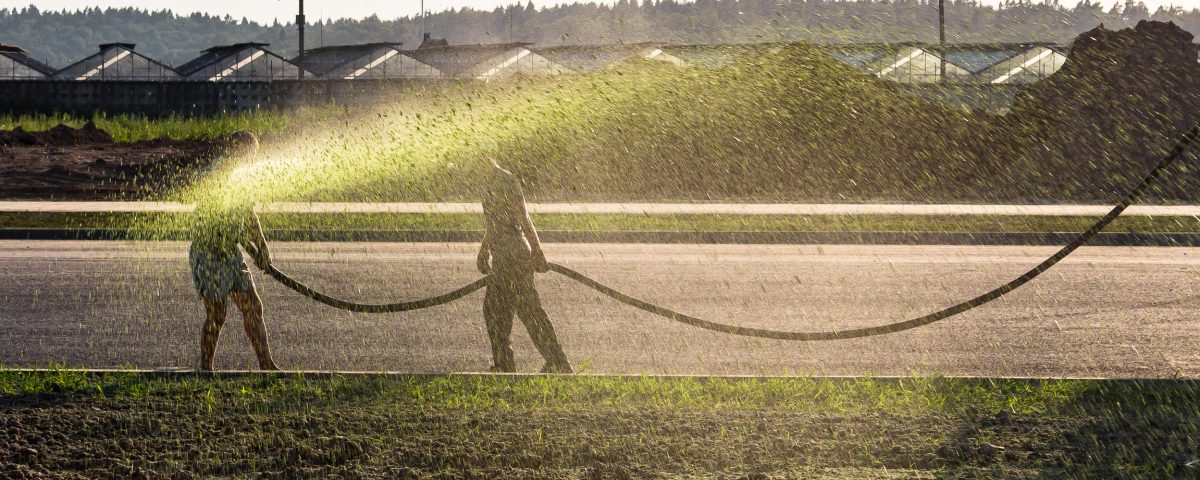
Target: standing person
{"points": [[515, 252], [220, 273]]}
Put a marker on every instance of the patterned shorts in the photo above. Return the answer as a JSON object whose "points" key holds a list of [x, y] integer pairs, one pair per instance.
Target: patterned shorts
{"points": [[216, 275]]}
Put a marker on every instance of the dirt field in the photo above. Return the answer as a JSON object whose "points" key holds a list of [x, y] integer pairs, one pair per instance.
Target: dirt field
{"points": [[66, 163], [65, 425]]}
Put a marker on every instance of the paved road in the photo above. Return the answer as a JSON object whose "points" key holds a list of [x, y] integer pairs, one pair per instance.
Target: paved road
{"points": [[1104, 312], [627, 208]]}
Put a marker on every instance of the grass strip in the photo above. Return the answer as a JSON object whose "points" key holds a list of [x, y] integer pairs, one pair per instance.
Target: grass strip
{"points": [[186, 425], [624, 222], [272, 392], [138, 128]]}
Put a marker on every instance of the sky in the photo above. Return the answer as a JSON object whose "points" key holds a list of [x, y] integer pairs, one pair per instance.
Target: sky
{"points": [[266, 11]]}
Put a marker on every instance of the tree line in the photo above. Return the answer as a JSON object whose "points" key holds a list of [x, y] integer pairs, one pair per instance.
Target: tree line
{"points": [[61, 37]]}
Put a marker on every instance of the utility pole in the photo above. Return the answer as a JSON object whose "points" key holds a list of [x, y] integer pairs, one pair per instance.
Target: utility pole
{"points": [[423, 20], [300, 25], [942, 37]]}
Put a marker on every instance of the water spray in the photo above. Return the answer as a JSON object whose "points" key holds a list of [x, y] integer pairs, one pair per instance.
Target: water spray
{"points": [[1180, 148]]}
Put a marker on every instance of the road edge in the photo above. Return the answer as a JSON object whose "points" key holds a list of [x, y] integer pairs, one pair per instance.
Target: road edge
{"points": [[1131, 239]]}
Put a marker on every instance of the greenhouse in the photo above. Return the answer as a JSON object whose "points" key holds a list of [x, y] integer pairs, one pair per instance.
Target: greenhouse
{"points": [[366, 61], [588, 58], [117, 61], [908, 63], [1029, 65], [242, 62], [486, 62], [15, 64], [916, 64], [714, 55], [964, 63]]}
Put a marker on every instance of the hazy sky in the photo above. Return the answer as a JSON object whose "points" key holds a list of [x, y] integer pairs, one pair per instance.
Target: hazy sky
{"points": [[285, 10]]}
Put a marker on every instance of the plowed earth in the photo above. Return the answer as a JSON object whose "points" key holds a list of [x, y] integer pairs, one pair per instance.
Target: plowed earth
{"points": [[80, 164]]}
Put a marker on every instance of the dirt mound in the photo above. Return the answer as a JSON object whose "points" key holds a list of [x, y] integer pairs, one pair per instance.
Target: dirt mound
{"points": [[59, 136], [1137, 87], [1093, 129], [1149, 68], [96, 169]]}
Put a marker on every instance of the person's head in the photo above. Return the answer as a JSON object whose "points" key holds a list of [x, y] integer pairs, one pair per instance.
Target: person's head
{"points": [[242, 142]]}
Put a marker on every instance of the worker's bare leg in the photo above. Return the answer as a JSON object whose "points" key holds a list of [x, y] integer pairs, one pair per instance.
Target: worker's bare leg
{"points": [[256, 326], [498, 316], [214, 320], [541, 331]]}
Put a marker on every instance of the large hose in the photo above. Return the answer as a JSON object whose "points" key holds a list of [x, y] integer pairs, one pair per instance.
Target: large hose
{"points": [[374, 308], [998, 292]]}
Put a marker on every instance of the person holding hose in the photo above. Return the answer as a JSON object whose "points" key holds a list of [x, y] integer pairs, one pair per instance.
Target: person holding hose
{"points": [[511, 244], [219, 273]]}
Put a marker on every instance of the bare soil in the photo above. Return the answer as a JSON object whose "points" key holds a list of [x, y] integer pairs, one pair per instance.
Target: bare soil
{"points": [[85, 163]]}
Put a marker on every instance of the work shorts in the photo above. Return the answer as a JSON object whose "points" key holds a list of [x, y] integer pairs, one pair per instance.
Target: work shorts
{"points": [[217, 274]]}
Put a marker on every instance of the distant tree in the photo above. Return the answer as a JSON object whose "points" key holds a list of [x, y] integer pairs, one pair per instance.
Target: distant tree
{"points": [[62, 37], [1134, 11]]}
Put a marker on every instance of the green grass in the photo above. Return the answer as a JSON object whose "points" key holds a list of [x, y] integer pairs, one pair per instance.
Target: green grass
{"points": [[910, 395], [321, 426], [918, 394], [133, 128], [623, 222]]}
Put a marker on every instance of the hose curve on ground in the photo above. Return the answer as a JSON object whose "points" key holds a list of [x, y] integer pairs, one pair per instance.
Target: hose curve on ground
{"points": [[374, 308], [1179, 149]]}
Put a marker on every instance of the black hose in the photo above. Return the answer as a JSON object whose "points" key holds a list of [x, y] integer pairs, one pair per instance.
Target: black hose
{"points": [[374, 308]]}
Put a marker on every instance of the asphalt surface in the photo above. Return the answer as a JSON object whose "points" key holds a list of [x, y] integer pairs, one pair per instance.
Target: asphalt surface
{"points": [[622, 208], [1105, 311]]}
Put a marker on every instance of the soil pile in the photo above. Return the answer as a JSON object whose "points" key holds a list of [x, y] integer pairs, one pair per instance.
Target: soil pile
{"points": [[1145, 76], [59, 136], [85, 163], [1119, 103]]}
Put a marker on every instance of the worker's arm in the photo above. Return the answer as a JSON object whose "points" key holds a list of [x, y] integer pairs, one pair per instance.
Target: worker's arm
{"points": [[481, 261], [535, 244], [257, 246]]}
